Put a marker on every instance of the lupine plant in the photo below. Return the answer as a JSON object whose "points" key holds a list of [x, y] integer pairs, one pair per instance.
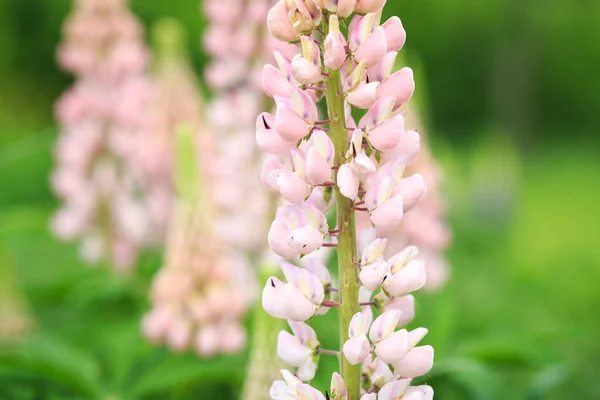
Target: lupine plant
{"points": [[340, 53], [102, 117], [189, 310]]}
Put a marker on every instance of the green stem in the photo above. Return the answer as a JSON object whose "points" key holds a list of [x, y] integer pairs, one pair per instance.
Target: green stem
{"points": [[346, 249]]}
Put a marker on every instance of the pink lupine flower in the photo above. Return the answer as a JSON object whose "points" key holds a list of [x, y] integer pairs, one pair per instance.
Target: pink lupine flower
{"points": [[357, 348], [377, 372], [423, 392], [367, 42], [369, 6], [404, 304], [101, 118], [297, 229], [373, 267], [295, 116], [390, 345], [412, 190], [399, 85], [335, 44], [279, 24], [407, 274], [383, 132], [297, 300], [306, 67], [268, 139], [394, 390], [300, 349], [292, 388], [395, 35], [338, 387], [417, 362], [343, 8]]}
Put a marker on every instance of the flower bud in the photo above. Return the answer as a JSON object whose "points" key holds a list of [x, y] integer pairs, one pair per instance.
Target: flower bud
{"points": [[306, 67], [335, 45], [347, 182], [371, 275], [338, 387], [279, 24], [305, 16], [408, 279]]}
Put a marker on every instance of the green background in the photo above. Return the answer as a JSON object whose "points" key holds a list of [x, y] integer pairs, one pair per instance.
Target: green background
{"points": [[513, 94]]}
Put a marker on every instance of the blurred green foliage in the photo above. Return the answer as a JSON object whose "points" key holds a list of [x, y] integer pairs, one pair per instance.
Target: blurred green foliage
{"points": [[506, 82]]}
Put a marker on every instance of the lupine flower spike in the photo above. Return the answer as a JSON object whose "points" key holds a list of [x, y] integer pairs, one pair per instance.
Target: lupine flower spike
{"points": [[314, 158], [102, 117]]}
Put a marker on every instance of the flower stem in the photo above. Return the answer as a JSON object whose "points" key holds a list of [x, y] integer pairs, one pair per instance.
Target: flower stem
{"points": [[346, 249]]}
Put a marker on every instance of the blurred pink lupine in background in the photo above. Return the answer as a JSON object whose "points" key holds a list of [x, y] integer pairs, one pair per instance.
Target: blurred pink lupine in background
{"points": [[425, 226], [201, 292], [103, 117]]}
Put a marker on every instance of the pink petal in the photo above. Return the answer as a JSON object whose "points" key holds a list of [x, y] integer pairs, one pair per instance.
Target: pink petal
{"points": [[273, 83], [417, 362], [412, 190], [272, 298], [387, 216], [291, 351], [387, 135], [318, 170], [400, 85], [393, 348], [279, 24], [347, 182], [364, 96], [395, 35], [356, 349], [372, 50]]}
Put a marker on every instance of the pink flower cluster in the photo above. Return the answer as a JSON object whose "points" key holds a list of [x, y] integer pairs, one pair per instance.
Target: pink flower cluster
{"points": [[101, 117], [200, 295], [361, 166], [424, 226]]}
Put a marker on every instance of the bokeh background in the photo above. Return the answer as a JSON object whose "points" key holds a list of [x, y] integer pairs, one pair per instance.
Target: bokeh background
{"points": [[513, 95]]}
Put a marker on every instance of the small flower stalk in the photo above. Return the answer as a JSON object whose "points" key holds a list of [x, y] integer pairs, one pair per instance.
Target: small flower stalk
{"points": [[102, 117], [320, 160]]}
